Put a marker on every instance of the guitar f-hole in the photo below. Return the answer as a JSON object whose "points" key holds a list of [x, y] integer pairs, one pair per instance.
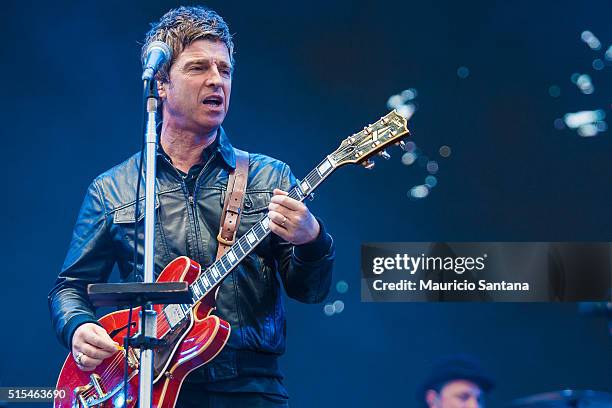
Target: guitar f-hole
{"points": [[123, 328]]}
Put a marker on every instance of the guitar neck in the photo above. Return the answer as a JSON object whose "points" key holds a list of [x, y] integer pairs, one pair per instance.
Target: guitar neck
{"points": [[355, 149], [244, 245]]}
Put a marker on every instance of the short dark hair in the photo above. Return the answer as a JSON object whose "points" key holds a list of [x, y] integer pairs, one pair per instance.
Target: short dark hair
{"points": [[182, 26]]}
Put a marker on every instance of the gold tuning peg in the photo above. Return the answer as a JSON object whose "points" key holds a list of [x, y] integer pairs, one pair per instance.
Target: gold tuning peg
{"points": [[384, 154], [368, 164], [401, 144]]}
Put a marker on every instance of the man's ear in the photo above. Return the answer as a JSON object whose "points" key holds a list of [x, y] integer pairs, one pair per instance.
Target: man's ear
{"points": [[431, 396], [161, 89]]}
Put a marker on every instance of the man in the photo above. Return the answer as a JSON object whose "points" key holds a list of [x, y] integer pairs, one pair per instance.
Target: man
{"points": [[194, 159], [456, 381]]}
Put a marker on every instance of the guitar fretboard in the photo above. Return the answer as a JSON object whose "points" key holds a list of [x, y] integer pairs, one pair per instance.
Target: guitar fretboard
{"points": [[244, 245]]}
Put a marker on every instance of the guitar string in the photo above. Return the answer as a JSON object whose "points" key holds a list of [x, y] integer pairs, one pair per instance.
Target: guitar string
{"points": [[108, 373], [361, 136], [104, 376], [90, 392], [113, 368]]}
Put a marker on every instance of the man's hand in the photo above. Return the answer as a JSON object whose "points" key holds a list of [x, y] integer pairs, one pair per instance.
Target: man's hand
{"points": [[291, 219], [90, 345]]}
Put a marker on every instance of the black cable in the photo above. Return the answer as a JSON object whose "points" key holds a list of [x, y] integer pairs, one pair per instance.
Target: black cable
{"points": [[126, 346]]}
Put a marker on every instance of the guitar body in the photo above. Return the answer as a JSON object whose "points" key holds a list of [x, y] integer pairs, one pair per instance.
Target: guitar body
{"points": [[191, 344]]}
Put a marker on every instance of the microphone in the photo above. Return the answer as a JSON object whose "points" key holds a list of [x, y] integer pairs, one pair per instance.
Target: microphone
{"points": [[157, 53]]}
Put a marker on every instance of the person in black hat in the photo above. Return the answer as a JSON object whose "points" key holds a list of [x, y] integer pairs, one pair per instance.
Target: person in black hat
{"points": [[456, 381]]}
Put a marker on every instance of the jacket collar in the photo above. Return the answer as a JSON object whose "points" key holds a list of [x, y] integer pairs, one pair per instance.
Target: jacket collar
{"points": [[225, 148]]}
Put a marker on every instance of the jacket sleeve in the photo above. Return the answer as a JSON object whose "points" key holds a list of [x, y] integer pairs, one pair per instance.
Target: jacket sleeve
{"points": [[90, 259], [305, 270]]}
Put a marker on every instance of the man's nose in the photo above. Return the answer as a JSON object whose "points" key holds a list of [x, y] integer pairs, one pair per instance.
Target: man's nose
{"points": [[473, 403], [214, 77]]}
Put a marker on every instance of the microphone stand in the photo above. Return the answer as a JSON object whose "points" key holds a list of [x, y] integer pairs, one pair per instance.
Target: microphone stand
{"points": [[148, 316]]}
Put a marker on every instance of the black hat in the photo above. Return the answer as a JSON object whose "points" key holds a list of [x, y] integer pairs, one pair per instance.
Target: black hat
{"points": [[456, 367]]}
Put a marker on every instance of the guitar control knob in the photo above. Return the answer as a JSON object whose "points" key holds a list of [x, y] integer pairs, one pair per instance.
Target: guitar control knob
{"points": [[368, 164], [384, 154]]}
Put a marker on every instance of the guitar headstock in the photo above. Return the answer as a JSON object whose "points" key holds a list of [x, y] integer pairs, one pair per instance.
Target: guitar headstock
{"points": [[373, 139]]}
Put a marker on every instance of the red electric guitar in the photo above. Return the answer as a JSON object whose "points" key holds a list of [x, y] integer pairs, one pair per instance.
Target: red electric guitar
{"points": [[193, 336]]}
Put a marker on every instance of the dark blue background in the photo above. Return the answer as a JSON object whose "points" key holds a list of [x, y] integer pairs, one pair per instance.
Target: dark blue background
{"points": [[307, 76]]}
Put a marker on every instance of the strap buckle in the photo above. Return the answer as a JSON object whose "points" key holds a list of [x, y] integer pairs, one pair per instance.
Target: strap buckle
{"points": [[225, 241]]}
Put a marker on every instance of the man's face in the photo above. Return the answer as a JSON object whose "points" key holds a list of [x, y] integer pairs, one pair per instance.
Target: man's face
{"points": [[456, 394], [197, 96]]}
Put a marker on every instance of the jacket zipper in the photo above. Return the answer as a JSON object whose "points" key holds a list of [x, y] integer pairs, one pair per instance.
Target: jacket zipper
{"points": [[191, 201], [192, 207]]}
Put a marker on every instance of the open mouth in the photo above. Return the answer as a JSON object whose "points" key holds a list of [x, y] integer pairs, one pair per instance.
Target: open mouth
{"points": [[213, 101]]}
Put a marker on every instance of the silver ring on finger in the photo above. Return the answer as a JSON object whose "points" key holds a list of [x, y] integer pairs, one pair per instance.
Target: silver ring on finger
{"points": [[78, 358], [284, 221]]}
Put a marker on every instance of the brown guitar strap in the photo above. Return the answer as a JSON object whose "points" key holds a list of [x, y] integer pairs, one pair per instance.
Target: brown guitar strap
{"points": [[234, 200]]}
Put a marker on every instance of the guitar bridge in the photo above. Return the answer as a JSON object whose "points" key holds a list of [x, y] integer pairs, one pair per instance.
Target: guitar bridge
{"points": [[96, 381], [132, 359], [97, 395]]}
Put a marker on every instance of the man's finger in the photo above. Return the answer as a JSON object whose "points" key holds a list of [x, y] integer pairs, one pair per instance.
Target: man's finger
{"points": [[114, 346], [280, 231], [105, 335], [89, 363], [278, 219], [280, 209], [288, 202], [86, 368], [95, 352], [100, 341]]}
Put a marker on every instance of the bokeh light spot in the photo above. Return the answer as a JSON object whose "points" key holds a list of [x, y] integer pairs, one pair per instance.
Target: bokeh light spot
{"points": [[420, 191], [585, 84], [554, 91], [408, 158], [601, 126], [431, 181], [406, 110], [588, 130], [463, 72], [410, 146], [445, 151], [432, 167], [409, 94], [598, 64], [590, 40], [342, 286]]}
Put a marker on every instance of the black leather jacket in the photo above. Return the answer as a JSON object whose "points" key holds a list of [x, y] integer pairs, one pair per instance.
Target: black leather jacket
{"points": [[249, 298]]}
